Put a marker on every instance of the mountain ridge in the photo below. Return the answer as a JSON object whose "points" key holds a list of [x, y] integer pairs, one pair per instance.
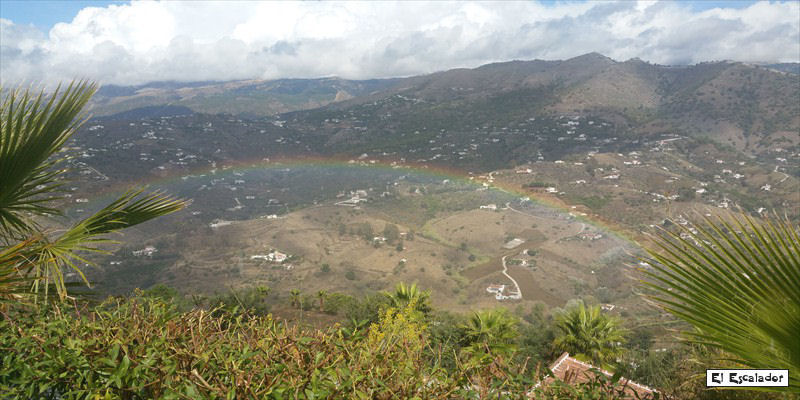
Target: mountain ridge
{"points": [[747, 106], [115, 98]]}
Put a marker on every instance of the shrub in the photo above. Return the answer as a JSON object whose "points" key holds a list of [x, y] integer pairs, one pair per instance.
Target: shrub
{"points": [[350, 275], [144, 348]]}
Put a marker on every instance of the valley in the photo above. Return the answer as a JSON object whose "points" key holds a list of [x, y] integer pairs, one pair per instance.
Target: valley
{"points": [[452, 175], [589, 200]]}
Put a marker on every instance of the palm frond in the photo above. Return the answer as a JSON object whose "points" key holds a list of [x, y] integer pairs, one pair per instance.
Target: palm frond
{"points": [[736, 280], [64, 252], [132, 208], [588, 331], [16, 262], [492, 330], [33, 129], [405, 294]]}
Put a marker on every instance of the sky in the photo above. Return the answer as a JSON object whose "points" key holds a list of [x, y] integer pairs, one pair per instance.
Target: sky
{"points": [[134, 42]]}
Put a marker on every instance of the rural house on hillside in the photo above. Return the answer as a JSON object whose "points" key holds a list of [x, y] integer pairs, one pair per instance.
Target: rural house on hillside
{"points": [[572, 370]]}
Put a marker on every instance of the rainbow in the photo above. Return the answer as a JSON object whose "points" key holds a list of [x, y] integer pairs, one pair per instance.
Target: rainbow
{"points": [[439, 172]]}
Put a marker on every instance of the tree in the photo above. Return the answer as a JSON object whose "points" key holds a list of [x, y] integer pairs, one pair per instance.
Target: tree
{"points": [[491, 331], [365, 230], [321, 295], [391, 232], [33, 129], [264, 291], [295, 296], [537, 336], [736, 280], [405, 294], [587, 331], [350, 275], [686, 194]]}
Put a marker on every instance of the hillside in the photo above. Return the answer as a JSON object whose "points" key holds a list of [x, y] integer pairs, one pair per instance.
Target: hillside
{"points": [[245, 98], [525, 187], [749, 107], [623, 144]]}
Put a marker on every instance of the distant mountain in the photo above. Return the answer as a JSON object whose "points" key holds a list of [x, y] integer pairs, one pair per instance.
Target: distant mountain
{"points": [[750, 107], [792, 68], [151, 112], [252, 98], [742, 105]]}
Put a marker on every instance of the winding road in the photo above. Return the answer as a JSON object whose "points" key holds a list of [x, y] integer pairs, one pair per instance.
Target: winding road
{"points": [[505, 267], [505, 272]]}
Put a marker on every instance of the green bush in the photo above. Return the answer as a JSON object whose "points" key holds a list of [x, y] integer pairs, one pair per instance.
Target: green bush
{"points": [[144, 348]]}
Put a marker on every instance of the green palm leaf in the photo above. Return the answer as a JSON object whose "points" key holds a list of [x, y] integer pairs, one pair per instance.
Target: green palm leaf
{"points": [[15, 264], [64, 251], [588, 331], [736, 280], [405, 294], [492, 330], [33, 129]]}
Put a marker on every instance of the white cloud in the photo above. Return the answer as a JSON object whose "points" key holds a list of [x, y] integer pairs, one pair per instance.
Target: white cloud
{"points": [[170, 40]]}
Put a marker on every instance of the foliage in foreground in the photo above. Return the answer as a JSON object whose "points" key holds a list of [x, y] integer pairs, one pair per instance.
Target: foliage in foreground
{"points": [[33, 130], [588, 331], [143, 348], [737, 282]]}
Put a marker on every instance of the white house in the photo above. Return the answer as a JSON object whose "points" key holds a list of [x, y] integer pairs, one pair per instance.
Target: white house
{"points": [[496, 289], [218, 222], [513, 243], [147, 251], [512, 296], [277, 256], [274, 256]]}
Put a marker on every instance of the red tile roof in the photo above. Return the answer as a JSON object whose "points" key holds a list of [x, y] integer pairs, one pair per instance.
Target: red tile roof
{"points": [[571, 370]]}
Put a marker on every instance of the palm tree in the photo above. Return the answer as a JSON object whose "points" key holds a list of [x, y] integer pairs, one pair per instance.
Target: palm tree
{"points": [[736, 280], [264, 290], [587, 331], [406, 294], [15, 271], [33, 129], [322, 295], [492, 330], [295, 295]]}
